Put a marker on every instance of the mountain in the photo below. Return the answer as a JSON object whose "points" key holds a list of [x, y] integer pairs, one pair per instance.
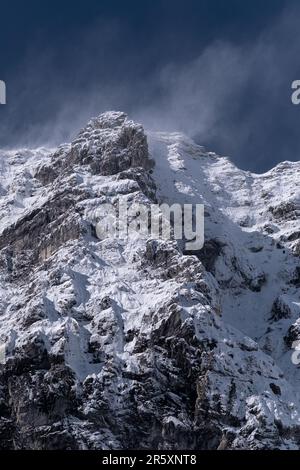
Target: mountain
{"points": [[131, 343]]}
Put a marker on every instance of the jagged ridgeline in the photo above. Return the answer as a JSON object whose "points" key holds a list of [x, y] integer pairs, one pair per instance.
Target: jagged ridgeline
{"points": [[134, 343]]}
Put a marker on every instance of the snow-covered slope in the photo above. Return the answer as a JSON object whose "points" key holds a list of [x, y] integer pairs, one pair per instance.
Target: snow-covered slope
{"points": [[133, 343], [252, 235]]}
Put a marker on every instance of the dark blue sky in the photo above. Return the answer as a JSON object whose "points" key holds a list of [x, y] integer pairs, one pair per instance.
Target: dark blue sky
{"points": [[219, 70]]}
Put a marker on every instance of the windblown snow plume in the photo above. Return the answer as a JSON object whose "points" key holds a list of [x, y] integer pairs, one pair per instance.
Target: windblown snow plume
{"points": [[126, 344]]}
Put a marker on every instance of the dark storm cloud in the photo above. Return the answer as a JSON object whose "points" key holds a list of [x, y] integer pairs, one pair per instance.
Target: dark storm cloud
{"points": [[223, 79], [237, 98]]}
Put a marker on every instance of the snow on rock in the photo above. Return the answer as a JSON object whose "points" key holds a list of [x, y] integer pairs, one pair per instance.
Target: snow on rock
{"points": [[132, 343]]}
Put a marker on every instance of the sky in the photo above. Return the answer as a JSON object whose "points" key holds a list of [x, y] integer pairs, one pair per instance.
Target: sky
{"points": [[218, 70]]}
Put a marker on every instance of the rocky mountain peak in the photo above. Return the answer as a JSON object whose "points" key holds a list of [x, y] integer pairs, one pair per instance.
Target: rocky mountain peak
{"points": [[110, 143], [108, 120], [104, 340]]}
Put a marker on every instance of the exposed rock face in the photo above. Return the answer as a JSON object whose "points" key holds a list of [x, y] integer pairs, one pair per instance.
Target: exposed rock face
{"points": [[114, 343], [293, 334], [110, 145]]}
